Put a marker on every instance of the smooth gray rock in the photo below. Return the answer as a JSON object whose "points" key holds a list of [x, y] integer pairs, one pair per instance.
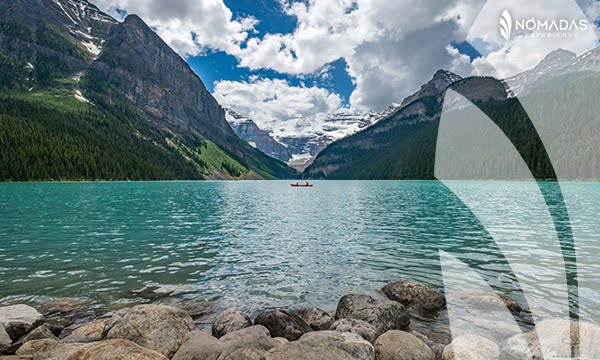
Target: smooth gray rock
{"points": [[384, 315], [471, 347], [5, 340], [321, 345], [282, 323], [400, 345], [156, 327], [418, 298], [199, 346], [248, 348], [115, 350], [47, 349], [89, 332], [256, 330], [230, 320], [18, 320], [317, 319], [358, 327], [557, 339]]}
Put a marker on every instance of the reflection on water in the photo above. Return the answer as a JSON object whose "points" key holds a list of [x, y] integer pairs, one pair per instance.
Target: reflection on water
{"points": [[244, 243]]}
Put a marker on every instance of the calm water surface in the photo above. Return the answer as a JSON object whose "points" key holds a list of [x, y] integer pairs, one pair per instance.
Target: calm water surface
{"points": [[252, 244]]}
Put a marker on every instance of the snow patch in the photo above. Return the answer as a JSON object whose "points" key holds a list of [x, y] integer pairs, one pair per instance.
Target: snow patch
{"points": [[92, 48], [80, 97]]}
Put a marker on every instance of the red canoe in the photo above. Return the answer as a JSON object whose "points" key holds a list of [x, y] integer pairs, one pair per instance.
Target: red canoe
{"points": [[302, 185]]}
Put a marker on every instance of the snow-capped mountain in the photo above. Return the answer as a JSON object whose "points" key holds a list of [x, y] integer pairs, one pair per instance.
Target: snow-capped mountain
{"points": [[247, 129], [440, 81], [86, 23], [557, 63], [305, 137], [552, 63]]}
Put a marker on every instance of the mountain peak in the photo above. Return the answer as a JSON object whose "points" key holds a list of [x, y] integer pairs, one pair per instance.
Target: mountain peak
{"points": [[559, 57], [134, 19], [440, 81]]}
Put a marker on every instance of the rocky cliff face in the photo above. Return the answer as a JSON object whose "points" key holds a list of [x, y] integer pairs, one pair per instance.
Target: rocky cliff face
{"points": [[143, 67], [126, 68], [248, 130]]}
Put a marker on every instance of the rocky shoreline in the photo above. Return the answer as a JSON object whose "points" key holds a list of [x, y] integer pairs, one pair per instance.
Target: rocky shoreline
{"points": [[409, 321]]}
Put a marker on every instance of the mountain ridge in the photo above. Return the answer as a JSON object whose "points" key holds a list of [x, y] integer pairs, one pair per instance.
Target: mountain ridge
{"points": [[126, 69]]}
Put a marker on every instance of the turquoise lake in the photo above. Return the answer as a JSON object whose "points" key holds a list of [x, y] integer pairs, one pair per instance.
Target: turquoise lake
{"points": [[252, 244]]}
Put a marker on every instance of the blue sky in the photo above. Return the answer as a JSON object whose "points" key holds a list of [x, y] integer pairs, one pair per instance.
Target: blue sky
{"points": [[214, 66], [279, 60]]}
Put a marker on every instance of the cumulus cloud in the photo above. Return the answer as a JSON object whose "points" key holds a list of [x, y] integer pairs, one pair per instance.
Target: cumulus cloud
{"points": [[189, 27], [270, 101], [390, 47], [506, 58]]}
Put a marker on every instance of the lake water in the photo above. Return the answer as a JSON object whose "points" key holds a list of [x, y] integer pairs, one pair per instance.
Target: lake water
{"points": [[252, 244]]}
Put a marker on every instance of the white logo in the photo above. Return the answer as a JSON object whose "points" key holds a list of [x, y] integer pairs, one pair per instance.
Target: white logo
{"points": [[534, 27], [506, 25]]}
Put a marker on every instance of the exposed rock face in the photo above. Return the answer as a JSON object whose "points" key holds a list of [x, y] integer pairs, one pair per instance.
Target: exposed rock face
{"points": [[358, 327], [248, 348], [440, 81], [18, 320], [159, 81], [256, 330], [115, 349], [400, 345], [317, 319], [282, 323], [384, 315], [40, 332], [156, 327], [5, 340], [555, 339], [320, 345], [89, 332], [549, 66], [257, 137], [229, 321], [48, 349], [484, 300], [418, 298], [199, 346], [471, 347]]}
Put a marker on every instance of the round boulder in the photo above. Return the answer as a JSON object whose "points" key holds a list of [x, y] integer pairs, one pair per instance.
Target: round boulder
{"points": [[317, 319], [319, 345], [471, 347], [48, 349], [358, 327], [229, 321], [89, 332], [256, 330], [199, 346], [18, 320], [400, 345], [282, 323], [554, 339], [5, 340], [384, 315], [418, 298], [156, 327], [248, 348], [115, 349]]}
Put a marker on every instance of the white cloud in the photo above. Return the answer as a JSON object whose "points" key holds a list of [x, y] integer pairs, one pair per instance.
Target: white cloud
{"points": [[272, 101], [390, 47], [190, 27], [506, 58]]}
